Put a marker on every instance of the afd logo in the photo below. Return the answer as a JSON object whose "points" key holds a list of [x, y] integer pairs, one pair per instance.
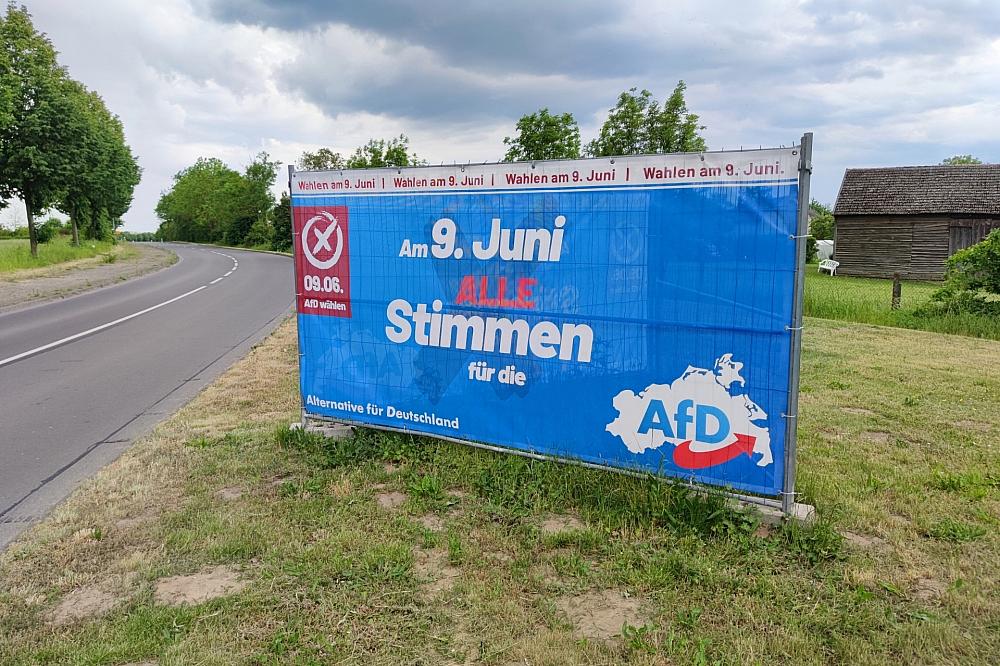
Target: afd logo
{"points": [[699, 415], [711, 425]]}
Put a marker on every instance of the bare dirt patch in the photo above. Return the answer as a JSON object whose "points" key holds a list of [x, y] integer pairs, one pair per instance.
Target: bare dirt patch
{"points": [[875, 436], [433, 568], [555, 524], [431, 522], [37, 285], [499, 556], [863, 541], [132, 522], [391, 500], [602, 613], [928, 589], [281, 479], [81, 604], [229, 494], [198, 588]]}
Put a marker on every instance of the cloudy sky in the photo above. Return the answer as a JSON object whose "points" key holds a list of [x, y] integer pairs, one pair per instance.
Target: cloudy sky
{"points": [[879, 83]]}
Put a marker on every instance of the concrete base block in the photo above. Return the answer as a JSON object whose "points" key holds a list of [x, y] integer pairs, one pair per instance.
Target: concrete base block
{"points": [[801, 513], [329, 430]]}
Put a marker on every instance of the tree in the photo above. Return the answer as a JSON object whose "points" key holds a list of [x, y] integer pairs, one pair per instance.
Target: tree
{"points": [[196, 207], [821, 226], [394, 152], [211, 203], [34, 166], [638, 124], [961, 159], [281, 223], [100, 189], [323, 159], [7, 83], [542, 136], [250, 198]]}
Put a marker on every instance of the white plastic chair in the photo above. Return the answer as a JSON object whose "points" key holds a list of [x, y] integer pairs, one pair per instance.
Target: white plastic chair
{"points": [[828, 265]]}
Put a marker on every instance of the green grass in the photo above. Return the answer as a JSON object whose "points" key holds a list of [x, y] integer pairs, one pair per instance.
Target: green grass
{"points": [[869, 301], [15, 254], [898, 433]]}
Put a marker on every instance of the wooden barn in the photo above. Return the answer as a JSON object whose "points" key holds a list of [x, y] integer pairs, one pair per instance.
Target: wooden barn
{"points": [[908, 220]]}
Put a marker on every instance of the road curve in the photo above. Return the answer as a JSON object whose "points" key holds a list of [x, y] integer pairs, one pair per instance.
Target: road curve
{"points": [[81, 378]]}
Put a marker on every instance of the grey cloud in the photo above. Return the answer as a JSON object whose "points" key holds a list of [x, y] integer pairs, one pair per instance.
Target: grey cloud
{"points": [[598, 50], [517, 35]]}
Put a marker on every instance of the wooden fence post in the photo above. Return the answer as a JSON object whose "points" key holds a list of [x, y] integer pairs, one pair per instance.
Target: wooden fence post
{"points": [[897, 290]]}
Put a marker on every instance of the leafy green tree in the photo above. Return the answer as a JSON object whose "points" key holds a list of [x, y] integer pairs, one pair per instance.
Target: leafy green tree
{"points": [[250, 198], [393, 152], [100, 190], [961, 159], [543, 136], [212, 203], [323, 159], [34, 166], [7, 86], [260, 234], [812, 249], [196, 207], [281, 223], [638, 125], [821, 226]]}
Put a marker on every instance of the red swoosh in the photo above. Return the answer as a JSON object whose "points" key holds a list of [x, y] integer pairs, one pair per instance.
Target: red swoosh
{"points": [[688, 459]]}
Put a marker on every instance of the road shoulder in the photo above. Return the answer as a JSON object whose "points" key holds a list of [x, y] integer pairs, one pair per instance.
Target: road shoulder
{"points": [[39, 285]]}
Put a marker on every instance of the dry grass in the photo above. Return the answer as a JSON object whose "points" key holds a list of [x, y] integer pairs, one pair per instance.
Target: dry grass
{"points": [[483, 558]]}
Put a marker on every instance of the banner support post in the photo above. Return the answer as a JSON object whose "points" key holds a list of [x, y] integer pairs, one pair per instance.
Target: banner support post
{"points": [[801, 234], [295, 273]]}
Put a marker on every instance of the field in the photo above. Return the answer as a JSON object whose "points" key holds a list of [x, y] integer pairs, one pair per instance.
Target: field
{"points": [[388, 549], [869, 301], [15, 254]]}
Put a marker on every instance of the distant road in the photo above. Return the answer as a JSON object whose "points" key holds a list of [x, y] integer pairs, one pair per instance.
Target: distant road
{"points": [[81, 378]]}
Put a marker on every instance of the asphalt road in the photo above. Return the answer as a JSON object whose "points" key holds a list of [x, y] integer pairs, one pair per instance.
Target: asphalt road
{"points": [[81, 378]]}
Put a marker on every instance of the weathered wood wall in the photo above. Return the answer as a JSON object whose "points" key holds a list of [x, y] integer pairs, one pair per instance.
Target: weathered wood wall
{"points": [[969, 232], [915, 247]]}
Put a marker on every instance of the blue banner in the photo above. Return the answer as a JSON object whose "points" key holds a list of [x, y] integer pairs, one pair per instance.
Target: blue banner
{"points": [[630, 313]]}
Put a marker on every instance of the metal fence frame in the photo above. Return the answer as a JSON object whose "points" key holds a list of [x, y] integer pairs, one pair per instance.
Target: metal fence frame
{"points": [[786, 504], [795, 327]]}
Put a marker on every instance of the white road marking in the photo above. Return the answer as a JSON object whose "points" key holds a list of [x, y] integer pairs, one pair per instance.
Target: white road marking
{"points": [[228, 274], [218, 279], [77, 336]]}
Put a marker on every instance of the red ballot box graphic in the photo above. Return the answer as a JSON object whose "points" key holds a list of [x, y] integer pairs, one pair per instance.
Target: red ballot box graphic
{"points": [[322, 261]]}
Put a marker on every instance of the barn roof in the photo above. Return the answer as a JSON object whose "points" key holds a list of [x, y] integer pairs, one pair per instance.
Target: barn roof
{"points": [[919, 190]]}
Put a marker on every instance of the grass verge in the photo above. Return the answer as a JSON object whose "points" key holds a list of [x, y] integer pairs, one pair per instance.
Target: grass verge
{"points": [[15, 254], [869, 301], [389, 549]]}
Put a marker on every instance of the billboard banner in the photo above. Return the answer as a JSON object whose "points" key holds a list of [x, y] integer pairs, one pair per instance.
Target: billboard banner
{"points": [[630, 312]]}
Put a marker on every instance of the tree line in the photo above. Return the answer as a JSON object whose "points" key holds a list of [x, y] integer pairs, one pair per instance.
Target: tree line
{"points": [[60, 146], [211, 203]]}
